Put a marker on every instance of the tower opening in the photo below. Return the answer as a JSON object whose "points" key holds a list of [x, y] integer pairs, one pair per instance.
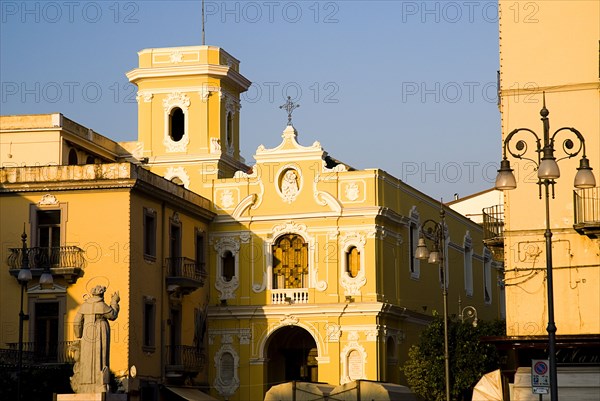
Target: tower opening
{"points": [[73, 159], [177, 124]]}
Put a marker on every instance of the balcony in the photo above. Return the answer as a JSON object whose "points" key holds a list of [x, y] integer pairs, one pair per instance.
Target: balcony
{"points": [[493, 230], [35, 354], [586, 206], [184, 360], [184, 275], [289, 296], [65, 261]]}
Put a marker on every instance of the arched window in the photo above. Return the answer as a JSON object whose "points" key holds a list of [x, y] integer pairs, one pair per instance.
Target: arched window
{"points": [[353, 261], [176, 124], [355, 365], [90, 160], [390, 348], [290, 262], [468, 252], [228, 265], [73, 157], [177, 180]]}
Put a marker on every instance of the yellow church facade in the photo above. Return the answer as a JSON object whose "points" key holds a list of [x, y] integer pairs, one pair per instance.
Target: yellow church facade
{"points": [[314, 272], [302, 267], [312, 268]]}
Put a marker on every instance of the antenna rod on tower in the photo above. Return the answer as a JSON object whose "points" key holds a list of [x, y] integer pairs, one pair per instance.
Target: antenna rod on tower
{"points": [[203, 38]]}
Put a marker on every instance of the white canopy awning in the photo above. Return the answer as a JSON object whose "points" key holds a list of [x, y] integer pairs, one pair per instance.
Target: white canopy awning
{"points": [[371, 390], [489, 387], [304, 391], [191, 394]]}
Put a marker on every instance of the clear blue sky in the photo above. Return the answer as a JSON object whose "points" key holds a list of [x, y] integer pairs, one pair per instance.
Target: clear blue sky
{"points": [[405, 86]]}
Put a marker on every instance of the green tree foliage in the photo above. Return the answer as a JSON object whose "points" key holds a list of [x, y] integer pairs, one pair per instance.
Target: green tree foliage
{"points": [[469, 359], [38, 382]]}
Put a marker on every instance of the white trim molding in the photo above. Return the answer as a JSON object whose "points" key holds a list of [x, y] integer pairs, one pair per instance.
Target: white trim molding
{"points": [[353, 345], [227, 288], [226, 388], [289, 182], [350, 284], [180, 173]]}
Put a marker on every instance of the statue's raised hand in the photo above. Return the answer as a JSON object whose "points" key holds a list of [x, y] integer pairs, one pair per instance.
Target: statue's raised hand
{"points": [[115, 297]]}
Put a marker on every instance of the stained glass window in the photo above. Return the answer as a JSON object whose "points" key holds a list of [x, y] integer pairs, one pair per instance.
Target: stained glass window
{"points": [[290, 262]]}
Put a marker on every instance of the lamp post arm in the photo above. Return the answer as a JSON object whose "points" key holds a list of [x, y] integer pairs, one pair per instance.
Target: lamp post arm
{"points": [[568, 143], [521, 145], [432, 232]]}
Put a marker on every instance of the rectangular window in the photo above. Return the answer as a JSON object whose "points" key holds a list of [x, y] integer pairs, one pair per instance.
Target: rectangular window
{"points": [[413, 240], [200, 251], [149, 233], [149, 324], [175, 337], [487, 279], [175, 241], [48, 239], [48, 227], [469, 271], [46, 331]]}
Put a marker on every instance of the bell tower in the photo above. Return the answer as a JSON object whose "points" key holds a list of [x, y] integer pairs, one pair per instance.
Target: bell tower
{"points": [[189, 113]]}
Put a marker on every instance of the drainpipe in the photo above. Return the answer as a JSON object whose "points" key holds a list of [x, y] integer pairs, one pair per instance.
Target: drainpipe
{"points": [[162, 295]]}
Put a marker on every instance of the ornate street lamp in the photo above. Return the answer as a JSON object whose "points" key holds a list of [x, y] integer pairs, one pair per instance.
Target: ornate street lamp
{"points": [[468, 312], [436, 231], [23, 278], [548, 172]]}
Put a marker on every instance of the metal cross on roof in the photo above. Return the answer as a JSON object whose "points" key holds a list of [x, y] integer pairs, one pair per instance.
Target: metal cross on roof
{"points": [[289, 106]]}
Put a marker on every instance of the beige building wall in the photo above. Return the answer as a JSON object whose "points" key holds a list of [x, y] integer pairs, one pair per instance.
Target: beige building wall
{"points": [[554, 50]]}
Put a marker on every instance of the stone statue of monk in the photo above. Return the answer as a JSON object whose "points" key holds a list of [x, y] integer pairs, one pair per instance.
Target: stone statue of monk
{"points": [[91, 372]]}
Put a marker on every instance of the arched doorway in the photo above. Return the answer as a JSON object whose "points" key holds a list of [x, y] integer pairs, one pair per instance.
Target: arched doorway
{"points": [[291, 354]]}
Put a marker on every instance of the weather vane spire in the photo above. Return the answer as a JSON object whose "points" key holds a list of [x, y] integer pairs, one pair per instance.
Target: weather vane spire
{"points": [[289, 106]]}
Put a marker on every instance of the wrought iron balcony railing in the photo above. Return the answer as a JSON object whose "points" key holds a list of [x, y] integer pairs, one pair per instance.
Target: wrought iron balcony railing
{"points": [[493, 225], [39, 353], [67, 261], [586, 207], [184, 359], [184, 274]]}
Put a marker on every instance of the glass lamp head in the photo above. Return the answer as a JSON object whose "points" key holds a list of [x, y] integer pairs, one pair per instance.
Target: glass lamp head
{"points": [[46, 279], [584, 177], [434, 257], [505, 180], [548, 168], [421, 252], [24, 275]]}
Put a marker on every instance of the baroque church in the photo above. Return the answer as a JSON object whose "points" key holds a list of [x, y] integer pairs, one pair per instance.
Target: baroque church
{"points": [[234, 276]]}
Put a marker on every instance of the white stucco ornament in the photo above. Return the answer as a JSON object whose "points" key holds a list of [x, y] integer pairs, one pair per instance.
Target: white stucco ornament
{"points": [[352, 191], [289, 186]]}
